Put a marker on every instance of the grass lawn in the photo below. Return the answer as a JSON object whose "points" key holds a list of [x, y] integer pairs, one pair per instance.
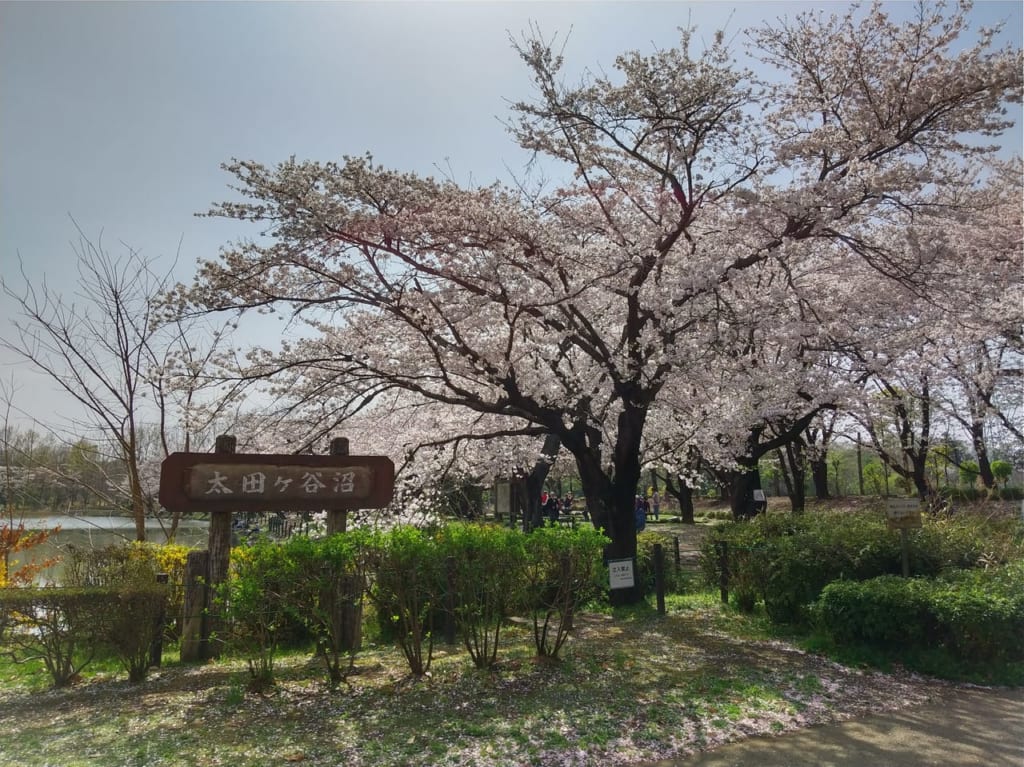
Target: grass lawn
{"points": [[632, 687]]}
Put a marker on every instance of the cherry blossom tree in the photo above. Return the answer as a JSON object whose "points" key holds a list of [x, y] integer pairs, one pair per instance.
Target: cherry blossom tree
{"points": [[980, 391], [949, 343], [983, 352], [693, 195]]}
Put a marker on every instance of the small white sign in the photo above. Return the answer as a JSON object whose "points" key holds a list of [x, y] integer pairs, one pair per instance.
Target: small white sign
{"points": [[903, 513], [897, 508], [620, 573], [759, 496]]}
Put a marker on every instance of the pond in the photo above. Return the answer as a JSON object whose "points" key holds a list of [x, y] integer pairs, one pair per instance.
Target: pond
{"points": [[94, 531]]}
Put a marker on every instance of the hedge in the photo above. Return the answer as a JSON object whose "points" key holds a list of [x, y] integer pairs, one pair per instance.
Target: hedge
{"points": [[786, 560], [976, 616], [66, 628]]}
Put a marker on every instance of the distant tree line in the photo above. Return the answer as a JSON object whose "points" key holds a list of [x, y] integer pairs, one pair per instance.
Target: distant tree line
{"points": [[42, 471]]}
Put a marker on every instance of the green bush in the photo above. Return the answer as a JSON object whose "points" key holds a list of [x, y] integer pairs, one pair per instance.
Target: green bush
{"points": [[137, 562], [962, 494], [1011, 493], [787, 560], [170, 559], [62, 627], [114, 564], [329, 582], [484, 565], [888, 610], [408, 590], [133, 617], [645, 543], [256, 602], [563, 572], [965, 541], [759, 563], [982, 613], [138, 606], [976, 616]]}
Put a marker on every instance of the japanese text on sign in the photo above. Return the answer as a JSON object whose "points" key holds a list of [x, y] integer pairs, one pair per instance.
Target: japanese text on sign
{"points": [[903, 513], [620, 574], [209, 481]]}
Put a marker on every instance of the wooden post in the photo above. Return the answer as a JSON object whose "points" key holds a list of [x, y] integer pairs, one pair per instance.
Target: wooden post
{"points": [[347, 605], [219, 545], [679, 560], [659, 577], [156, 648], [337, 519], [905, 546], [197, 565], [449, 601], [723, 568]]}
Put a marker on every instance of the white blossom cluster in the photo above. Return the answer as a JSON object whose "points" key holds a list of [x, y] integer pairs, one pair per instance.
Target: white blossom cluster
{"points": [[729, 256]]}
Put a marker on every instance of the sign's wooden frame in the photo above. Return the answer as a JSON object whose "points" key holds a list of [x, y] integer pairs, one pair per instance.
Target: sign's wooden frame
{"points": [[191, 482]]}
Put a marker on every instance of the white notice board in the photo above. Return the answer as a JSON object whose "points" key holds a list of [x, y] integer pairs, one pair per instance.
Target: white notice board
{"points": [[620, 574]]}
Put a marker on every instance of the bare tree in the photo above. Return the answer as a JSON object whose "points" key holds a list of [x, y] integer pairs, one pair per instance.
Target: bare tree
{"points": [[108, 349]]}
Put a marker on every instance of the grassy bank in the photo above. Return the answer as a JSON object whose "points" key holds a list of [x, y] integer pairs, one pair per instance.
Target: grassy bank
{"points": [[633, 687]]}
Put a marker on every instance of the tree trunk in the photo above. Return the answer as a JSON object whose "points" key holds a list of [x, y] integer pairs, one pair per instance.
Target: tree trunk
{"points": [[743, 484], [981, 451], [533, 483], [683, 493], [817, 437], [794, 472], [819, 477], [610, 499], [137, 500]]}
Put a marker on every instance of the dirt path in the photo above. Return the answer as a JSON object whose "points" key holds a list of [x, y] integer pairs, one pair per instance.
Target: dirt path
{"points": [[963, 727]]}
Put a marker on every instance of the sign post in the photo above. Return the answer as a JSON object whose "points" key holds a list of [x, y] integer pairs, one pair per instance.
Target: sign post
{"points": [[223, 482], [903, 514]]}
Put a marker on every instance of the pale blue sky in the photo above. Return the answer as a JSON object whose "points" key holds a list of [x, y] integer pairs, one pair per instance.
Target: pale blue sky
{"points": [[120, 114]]}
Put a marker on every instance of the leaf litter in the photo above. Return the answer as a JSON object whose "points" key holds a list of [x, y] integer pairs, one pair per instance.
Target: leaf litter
{"points": [[627, 692]]}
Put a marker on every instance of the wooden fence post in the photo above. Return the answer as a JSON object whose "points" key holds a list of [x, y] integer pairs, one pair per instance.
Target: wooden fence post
{"points": [[156, 648], [449, 601], [193, 637], [659, 577], [723, 569]]}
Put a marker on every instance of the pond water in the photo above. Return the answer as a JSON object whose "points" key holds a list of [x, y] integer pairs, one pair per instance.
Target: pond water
{"points": [[91, 531]]}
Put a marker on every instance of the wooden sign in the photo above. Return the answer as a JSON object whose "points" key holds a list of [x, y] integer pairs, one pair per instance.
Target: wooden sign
{"points": [[259, 482], [903, 513]]}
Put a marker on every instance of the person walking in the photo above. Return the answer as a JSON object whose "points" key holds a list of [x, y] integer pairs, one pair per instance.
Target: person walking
{"points": [[640, 513]]}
